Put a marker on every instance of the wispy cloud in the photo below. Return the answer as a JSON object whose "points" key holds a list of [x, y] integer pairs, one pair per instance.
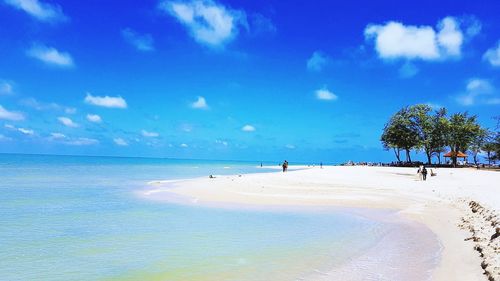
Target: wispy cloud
{"points": [[106, 101], [200, 103], [120, 142], [39, 10], [317, 61], [183, 145], [6, 88], [325, 94], [50, 56], [24, 131], [10, 115], [67, 122], [149, 134], [94, 118], [81, 141], [290, 146], [208, 22], [57, 136], [492, 55], [408, 70], [4, 138], [248, 128], [478, 91], [38, 105], [142, 42], [395, 40]]}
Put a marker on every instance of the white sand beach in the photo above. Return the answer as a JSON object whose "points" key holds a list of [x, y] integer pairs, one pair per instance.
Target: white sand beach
{"points": [[460, 206]]}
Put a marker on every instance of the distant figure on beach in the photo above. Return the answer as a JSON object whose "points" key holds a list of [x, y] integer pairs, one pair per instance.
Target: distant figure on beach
{"points": [[419, 172], [261, 164], [285, 166], [321, 165], [424, 173]]}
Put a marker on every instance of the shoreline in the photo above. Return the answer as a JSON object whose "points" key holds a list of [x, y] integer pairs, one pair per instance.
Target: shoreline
{"points": [[437, 203]]}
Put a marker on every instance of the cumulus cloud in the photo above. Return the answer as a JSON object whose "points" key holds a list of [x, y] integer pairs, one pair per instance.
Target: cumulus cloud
{"points": [[248, 128], [325, 94], [183, 145], [94, 118], [50, 56], [395, 40], [106, 101], [149, 134], [493, 55], [120, 142], [144, 43], [67, 122], [208, 22], [10, 115], [6, 88], [39, 10], [478, 91], [200, 103], [317, 61]]}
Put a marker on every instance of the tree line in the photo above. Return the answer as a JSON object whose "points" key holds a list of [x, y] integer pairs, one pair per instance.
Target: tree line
{"points": [[420, 128]]}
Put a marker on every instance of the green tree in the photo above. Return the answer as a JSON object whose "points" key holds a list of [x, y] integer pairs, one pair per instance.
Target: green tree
{"points": [[462, 130], [400, 134], [478, 142], [430, 128]]}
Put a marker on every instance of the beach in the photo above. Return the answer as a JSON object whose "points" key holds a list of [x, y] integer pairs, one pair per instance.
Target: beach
{"points": [[459, 207]]}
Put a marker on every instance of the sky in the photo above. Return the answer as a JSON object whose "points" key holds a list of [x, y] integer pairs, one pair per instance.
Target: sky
{"points": [[306, 81]]}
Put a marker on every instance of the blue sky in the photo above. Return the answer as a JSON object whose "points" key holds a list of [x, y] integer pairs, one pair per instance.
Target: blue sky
{"points": [[249, 80]]}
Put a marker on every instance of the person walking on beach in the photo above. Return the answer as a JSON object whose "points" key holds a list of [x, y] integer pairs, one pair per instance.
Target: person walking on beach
{"points": [[424, 173], [284, 166]]}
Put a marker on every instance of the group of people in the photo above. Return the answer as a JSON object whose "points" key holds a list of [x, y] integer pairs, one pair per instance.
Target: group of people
{"points": [[285, 166], [422, 173]]}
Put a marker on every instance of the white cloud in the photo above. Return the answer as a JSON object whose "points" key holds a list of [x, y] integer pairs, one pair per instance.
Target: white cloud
{"points": [[478, 91], [120, 142], [492, 55], [208, 22], [50, 56], [10, 115], [290, 146], [317, 61], [26, 131], [67, 122], [183, 145], [248, 128], [81, 141], [41, 11], [149, 134], [325, 94], [57, 136], [144, 43], [94, 118], [35, 104], [200, 103], [395, 40], [21, 130], [223, 142], [434, 106], [408, 70], [6, 88], [106, 101]]}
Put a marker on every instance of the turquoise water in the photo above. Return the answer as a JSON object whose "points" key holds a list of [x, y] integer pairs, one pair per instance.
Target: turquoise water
{"points": [[77, 218]]}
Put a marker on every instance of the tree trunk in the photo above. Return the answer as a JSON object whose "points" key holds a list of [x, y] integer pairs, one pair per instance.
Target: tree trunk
{"points": [[489, 158], [429, 156], [396, 152], [408, 157], [439, 158]]}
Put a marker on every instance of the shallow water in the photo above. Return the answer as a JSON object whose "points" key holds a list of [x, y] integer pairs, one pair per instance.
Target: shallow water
{"points": [[78, 218]]}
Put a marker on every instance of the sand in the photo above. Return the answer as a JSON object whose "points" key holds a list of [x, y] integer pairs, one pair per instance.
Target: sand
{"points": [[460, 206]]}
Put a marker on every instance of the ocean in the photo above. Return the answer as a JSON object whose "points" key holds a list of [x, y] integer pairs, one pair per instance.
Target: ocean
{"points": [[79, 218]]}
